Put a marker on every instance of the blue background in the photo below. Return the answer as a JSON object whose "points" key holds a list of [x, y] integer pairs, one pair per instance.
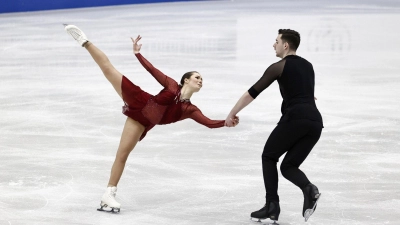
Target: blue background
{"points": [[35, 5]]}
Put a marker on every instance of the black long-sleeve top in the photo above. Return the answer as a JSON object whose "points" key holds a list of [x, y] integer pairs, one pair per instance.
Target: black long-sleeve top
{"points": [[296, 79]]}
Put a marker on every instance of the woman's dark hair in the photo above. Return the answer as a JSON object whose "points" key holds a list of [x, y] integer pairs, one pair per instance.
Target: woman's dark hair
{"points": [[290, 36], [186, 76]]}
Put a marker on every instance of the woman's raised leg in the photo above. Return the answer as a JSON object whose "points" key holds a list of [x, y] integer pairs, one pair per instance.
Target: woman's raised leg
{"points": [[112, 75], [99, 57]]}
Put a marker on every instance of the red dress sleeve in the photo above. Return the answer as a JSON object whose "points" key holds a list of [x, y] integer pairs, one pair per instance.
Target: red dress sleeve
{"points": [[195, 114], [163, 79]]}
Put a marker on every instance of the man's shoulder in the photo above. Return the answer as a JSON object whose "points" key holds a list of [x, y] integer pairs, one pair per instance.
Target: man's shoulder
{"points": [[301, 59]]}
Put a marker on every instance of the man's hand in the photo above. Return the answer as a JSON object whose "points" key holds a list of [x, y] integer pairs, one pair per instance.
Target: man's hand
{"points": [[232, 121]]}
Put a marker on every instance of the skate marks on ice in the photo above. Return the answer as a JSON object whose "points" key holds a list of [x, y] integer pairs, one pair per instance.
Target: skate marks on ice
{"points": [[5, 222], [31, 190], [34, 184]]}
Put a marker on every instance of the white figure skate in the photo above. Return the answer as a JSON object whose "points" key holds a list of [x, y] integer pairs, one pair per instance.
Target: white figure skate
{"points": [[76, 33], [108, 201]]}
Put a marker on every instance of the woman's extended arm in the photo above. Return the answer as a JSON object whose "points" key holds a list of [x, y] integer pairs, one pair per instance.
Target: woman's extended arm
{"points": [[163, 79], [198, 116]]}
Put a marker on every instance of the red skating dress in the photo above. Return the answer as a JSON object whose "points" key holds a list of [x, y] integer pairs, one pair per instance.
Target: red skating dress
{"points": [[163, 108]]}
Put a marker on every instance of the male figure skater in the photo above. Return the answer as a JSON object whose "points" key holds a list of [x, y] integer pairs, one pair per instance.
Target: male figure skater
{"points": [[298, 130]]}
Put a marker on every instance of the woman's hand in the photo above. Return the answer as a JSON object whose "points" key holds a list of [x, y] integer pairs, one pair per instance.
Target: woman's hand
{"points": [[136, 46], [232, 121]]}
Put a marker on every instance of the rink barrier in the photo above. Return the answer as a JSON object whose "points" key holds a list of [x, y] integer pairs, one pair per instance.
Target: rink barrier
{"points": [[9, 6]]}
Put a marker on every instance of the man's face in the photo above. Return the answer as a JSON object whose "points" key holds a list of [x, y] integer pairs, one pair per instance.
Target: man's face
{"points": [[279, 46]]}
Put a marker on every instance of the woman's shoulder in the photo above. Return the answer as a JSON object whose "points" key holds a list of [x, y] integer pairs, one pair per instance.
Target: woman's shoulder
{"points": [[173, 85]]}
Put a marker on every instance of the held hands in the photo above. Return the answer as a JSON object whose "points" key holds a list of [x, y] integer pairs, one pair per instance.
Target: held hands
{"points": [[231, 121], [136, 46]]}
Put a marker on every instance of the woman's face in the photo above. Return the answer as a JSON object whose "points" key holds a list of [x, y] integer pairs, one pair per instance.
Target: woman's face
{"points": [[195, 82]]}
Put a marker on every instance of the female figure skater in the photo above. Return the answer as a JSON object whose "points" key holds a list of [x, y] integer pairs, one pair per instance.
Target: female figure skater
{"points": [[298, 130], [142, 109]]}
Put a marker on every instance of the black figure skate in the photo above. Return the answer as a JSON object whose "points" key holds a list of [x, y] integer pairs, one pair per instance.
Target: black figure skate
{"points": [[270, 210], [311, 197]]}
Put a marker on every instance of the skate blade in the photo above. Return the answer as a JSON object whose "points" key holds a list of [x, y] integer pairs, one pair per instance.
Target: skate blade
{"points": [[104, 208], [112, 210], [309, 212], [257, 220]]}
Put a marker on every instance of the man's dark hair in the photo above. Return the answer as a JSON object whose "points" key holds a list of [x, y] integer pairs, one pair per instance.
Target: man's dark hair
{"points": [[290, 36]]}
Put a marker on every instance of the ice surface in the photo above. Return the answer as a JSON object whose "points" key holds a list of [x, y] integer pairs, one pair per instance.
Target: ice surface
{"points": [[60, 120]]}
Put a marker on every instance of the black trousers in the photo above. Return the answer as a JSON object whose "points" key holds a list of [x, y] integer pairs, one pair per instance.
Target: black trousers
{"points": [[297, 138]]}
